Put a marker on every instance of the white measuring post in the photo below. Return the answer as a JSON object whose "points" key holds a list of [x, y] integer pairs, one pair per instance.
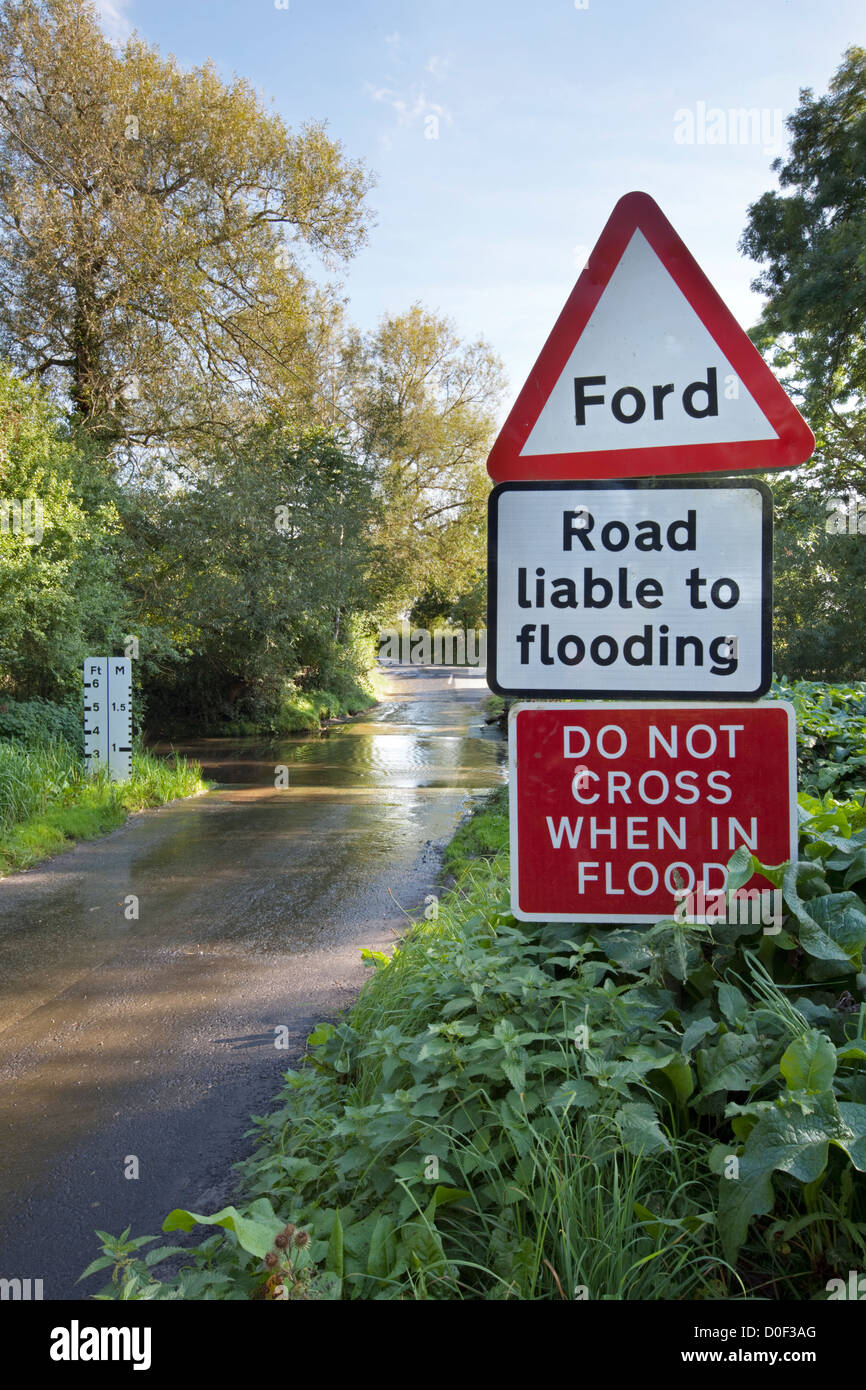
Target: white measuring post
{"points": [[108, 715]]}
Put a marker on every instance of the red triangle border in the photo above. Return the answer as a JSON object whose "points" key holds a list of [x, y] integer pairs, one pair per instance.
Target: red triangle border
{"points": [[795, 443]]}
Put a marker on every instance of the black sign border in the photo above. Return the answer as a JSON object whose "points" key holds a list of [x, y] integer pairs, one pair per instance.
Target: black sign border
{"points": [[633, 485]]}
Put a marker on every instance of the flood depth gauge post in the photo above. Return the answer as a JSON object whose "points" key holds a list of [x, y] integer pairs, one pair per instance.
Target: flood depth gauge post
{"points": [[108, 715], [615, 573]]}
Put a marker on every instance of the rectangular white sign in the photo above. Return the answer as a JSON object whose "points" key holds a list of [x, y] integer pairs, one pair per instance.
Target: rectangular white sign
{"points": [[630, 589]]}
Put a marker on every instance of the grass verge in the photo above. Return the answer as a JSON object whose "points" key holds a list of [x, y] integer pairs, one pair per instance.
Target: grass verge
{"points": [[48, 799]]}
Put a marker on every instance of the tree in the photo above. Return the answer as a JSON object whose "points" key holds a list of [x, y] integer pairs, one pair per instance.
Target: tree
{"points": [[810, 237], [153, 224], [60, 598], [254, 572], [812, 244], [819, 585], [423, 404]]}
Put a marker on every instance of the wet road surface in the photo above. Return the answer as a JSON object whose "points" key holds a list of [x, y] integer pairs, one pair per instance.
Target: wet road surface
{"points": [[155, 1037]]}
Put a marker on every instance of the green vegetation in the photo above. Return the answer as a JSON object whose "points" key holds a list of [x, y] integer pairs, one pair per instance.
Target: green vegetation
{"points": [[48, 799], [808, 239], [480, 836], [302, 713], [537, 1111], [831, 736], [38, 720]]}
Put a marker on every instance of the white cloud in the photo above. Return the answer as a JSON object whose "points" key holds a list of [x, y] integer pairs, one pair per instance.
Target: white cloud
{"points": [[116, 23], [408, 109], [438, 67], [393, 40]]}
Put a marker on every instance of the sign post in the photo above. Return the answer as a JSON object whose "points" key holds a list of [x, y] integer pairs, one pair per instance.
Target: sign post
{"points": [[614, 573]]}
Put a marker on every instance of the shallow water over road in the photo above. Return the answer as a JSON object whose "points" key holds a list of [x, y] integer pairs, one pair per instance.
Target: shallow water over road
{"points": [[154, 1037]]}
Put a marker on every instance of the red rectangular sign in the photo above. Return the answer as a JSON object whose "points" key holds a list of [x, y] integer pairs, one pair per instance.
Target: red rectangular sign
{"points": [[614, 808]]}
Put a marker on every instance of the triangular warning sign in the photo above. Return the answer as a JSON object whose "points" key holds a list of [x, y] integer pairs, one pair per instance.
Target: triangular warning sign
{"points": [[647, 372]]}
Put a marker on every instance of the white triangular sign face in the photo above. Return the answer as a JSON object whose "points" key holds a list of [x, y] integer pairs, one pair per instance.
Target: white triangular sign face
{"points": [[666, 381], [646, 373]]}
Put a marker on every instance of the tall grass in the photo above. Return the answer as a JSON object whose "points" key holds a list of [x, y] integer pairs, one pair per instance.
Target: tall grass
{"points": [[31, 776], [48, 797], [582, 1218]]}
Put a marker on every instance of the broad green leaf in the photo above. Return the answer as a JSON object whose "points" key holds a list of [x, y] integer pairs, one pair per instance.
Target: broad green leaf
{"points": [[787, 1140], [794, 1138], [320, 1034], [383, 1248], [681, 1077], [733, 1004], [856, 871], [812, 920], [853, 1140], [628, 949], [809, 1064], [696, 1031], [442, 1196], [733, 1064], [255, 1233], [742, 866]]}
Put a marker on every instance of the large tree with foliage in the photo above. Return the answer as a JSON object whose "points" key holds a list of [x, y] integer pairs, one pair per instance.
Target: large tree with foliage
{"points": [[810, 238], [423, 402], [153, 230], [255, 573]]}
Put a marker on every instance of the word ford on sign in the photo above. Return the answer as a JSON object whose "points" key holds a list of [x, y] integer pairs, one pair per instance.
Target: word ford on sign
{"points": [[629, 403]]}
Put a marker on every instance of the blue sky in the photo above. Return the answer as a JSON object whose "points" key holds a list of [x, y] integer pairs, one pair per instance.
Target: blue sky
{"points": [[502, 133]]}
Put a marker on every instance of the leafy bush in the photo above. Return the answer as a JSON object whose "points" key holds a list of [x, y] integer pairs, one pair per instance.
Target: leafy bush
{"points": [[31, 777], [61, 598], [40, 720], [831, 735]]}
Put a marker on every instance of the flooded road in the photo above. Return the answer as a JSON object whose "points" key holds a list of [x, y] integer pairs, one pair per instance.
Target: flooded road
{"points": [[153, 1038]]}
